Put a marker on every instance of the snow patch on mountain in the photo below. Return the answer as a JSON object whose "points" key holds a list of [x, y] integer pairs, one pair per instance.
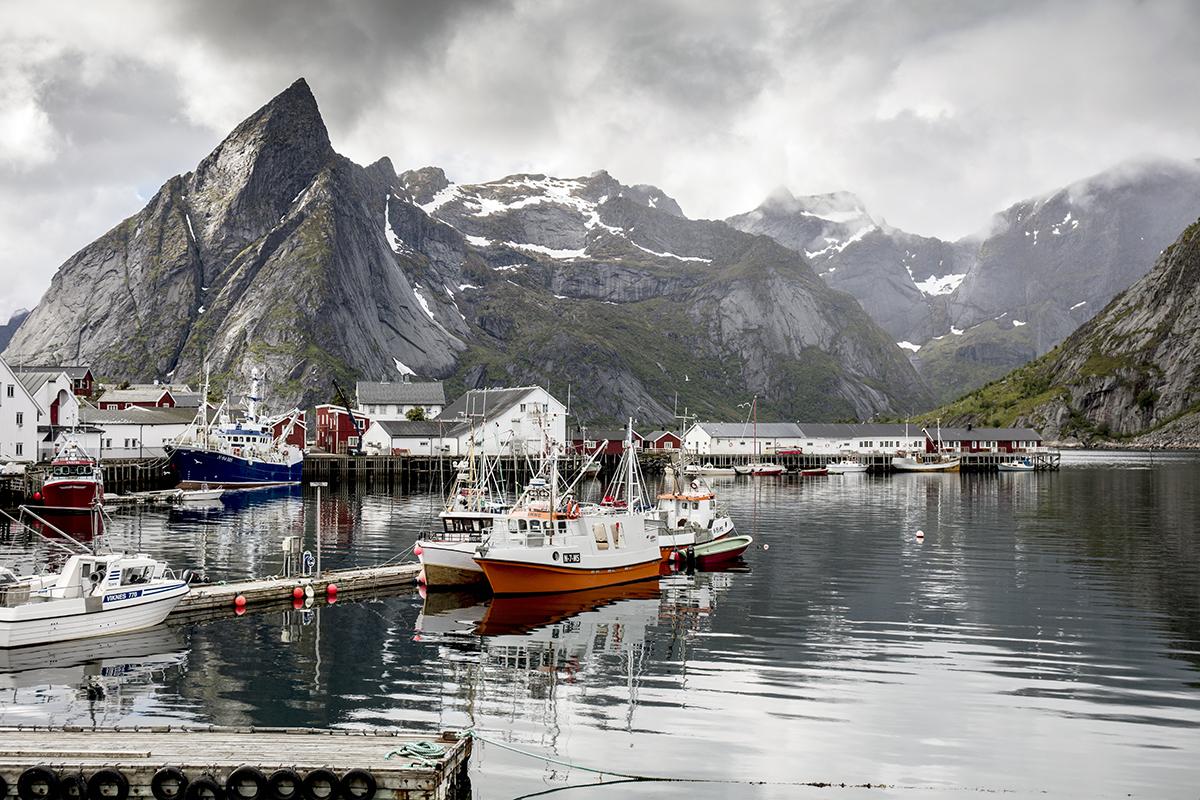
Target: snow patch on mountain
{"points": [[938, 285]]}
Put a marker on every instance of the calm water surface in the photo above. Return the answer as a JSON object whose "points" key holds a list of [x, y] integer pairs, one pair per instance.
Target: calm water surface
{"points": [[1043, 639]]}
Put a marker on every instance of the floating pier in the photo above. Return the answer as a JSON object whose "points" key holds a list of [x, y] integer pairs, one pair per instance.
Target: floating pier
{"points": [[206, 598], [232, 763]]}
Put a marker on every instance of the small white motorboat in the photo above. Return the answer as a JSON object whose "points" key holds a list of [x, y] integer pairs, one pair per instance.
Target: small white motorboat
{"points": [[930, 463], [763, 468], [1023, 465], [201, 495], [845, 467], [708, 469], [93, 595]]}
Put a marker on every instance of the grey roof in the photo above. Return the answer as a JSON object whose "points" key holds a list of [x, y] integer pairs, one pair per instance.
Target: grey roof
{"points": [[74, 372], [766, 430], [986, 434], [33, 379], [401, 393], [654, 436], [852, 430], [136, 415], [144, 395], [402, 427], [488, 402], [173, 387]]}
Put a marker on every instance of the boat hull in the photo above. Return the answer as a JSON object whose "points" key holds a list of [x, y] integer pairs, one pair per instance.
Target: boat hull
{"points": [[726, 549], [196, 468], [902, 465], [73, 621], [846, 469], [71, 495], [513, 577], [450, 563]]}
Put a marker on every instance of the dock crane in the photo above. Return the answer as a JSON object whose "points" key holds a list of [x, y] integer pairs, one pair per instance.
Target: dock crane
{"points": [[356, 450]]}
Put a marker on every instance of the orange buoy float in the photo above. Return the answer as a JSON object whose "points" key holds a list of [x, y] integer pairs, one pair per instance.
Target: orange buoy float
{"points": [[298, 593], [239, 601]]}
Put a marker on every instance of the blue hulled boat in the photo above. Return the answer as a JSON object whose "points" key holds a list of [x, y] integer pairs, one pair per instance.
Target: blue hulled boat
{"points": [[244, 454]]}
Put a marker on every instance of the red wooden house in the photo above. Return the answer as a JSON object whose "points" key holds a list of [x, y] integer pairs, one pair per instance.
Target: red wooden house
{"points": [[982, 440], [142, 397], [611, 441], [663, 440], [297, 435], [336, 432]]}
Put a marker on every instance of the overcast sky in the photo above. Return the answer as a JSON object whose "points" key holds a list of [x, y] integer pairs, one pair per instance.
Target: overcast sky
{"points": [[936, 113]]}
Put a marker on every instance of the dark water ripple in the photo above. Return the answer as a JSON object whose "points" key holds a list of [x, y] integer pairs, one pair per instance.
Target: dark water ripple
{"points": [[1042, 640]]}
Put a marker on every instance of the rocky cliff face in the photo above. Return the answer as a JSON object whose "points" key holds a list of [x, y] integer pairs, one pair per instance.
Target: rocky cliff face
{"points": [[9, 329], [974, 309], [1132, 368], [278, 254]]}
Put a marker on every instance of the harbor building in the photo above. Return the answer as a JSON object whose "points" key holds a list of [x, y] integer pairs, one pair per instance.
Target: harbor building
{"points": [[393, 400], [20, 416]]}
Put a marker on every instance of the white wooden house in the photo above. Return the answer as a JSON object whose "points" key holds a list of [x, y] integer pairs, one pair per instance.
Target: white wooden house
{"points": [[20, 416], [394, 400]]}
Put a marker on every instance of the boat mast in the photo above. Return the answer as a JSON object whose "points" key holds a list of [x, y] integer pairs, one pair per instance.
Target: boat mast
{"points": [[629, 467]]}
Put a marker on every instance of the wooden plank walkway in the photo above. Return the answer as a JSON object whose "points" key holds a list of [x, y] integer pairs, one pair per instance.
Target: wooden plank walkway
{"points": [[351, 583], [215, 752]]}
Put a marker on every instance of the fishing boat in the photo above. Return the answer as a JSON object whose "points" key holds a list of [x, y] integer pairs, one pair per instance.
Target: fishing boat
{"points": [[202, 495], [236, 454], [476, 499], [92, 595], [687, 513], [75, 482], [1023, 465], [845, 467], [925, 463], [545, 545], [814, 472], [707, 469]]}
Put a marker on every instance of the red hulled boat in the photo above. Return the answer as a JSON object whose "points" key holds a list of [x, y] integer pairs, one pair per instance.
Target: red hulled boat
{"points": [[75, 481]]}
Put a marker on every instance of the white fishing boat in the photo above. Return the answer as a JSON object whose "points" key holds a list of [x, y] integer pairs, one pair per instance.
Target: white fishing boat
{"points": [[707, 469], [543, 545], [92, 595], [764, 468], [931, 462], [201, 495], [846, 466], [687, 513], [1022, 465]]}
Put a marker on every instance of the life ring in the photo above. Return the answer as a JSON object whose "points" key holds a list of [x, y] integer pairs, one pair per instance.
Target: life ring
{"points": [[246, 783], [320, 784], [108, 784], [357, 784], [37, 783], [284, 784], [204, 788], [695, 484], [169, 783]]}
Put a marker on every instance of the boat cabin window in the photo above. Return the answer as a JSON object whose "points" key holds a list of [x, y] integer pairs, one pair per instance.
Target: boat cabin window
{"points": [[512, 526], [562, 524], [135, 575], [535, 524], [523, 524]]}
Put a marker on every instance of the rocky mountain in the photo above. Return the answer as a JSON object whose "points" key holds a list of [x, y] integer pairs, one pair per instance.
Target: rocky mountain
{"points": [[1133, 368], [278, 254], [9, 329], [972, 310]]}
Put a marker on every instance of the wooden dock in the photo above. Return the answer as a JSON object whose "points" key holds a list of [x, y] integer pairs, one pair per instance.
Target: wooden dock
{"points": [[220, 599], [238, 763]]}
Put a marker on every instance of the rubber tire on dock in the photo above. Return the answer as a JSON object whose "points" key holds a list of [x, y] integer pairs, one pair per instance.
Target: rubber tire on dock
{"points": [[72, 787], [205, 787], [107, 776], [357, 784], [168, 776], [317, 778], [285, 777], [38, 783], [240, 778]]}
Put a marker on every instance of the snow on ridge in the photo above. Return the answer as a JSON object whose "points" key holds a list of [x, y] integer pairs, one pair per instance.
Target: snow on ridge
{"points": [[440, 199], [462, 287], [187, 217], [956, 331], [395, 242], [1080, 304], [670, 255], [1016, 323], [839, 247], [935, 285], [548, 251], [908, 346], [402, 368], [478, 241]]}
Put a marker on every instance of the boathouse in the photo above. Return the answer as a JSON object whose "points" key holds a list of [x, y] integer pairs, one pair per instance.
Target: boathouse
{"points": [[609, 441], [422, 438], [665, 441], [136, 432], [20, 415], [743, 438], [395, 399], [982, 440], [834, 438], [336, 432]]}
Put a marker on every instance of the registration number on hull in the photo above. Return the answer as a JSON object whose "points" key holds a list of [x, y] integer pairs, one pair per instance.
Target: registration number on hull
{"points": [[570, 558]]}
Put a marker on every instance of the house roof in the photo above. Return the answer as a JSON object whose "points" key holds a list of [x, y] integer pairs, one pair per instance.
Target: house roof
{"points": [[33, 379], [851, 430], [406, 429], [144, 395], [135, 415], [488, 402], [985, 434], [654, 436], [74, 372], [430, 393], [734, 430], [601, 435]]}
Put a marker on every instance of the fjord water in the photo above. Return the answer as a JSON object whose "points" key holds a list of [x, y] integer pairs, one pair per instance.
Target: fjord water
{"points": [[1043, 638]]}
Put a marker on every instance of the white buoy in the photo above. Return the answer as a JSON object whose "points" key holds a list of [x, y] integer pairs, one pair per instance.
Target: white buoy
{"points": [[920, 535], [766, 547]]}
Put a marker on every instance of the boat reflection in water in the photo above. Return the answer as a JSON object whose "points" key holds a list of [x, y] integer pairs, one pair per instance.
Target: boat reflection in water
{"points": [[117, 674]]}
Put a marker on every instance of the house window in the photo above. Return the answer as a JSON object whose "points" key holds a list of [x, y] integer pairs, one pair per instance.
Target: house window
{"points": [[20, 449], [352, 441], [10, 390], [522, 404], [668, 446], [108, 443], [20, 418]]}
